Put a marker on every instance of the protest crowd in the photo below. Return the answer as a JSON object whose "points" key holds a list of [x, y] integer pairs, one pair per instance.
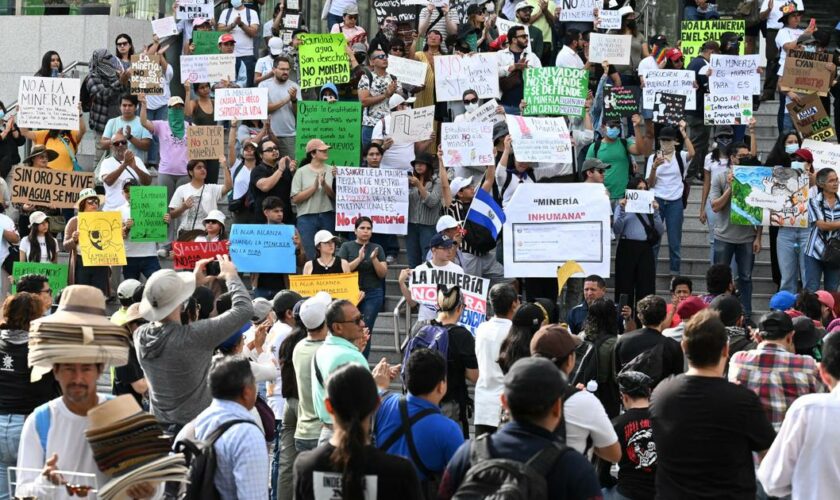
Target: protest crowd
{"points": [[202, 308]]}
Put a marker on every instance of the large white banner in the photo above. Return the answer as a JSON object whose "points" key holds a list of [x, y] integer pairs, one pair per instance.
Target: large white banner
{"points": [[241, 104], [670, 81], [540, 139], [424, 283], [455, 74], [407, 70], [467, 144], [549, 224], [208, 68], [48, 103], [379, 193], [826, 154]]}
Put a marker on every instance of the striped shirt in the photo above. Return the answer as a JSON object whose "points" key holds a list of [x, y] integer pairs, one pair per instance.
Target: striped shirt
{"points": [[819, 210], [426, 211], [458, 210]]}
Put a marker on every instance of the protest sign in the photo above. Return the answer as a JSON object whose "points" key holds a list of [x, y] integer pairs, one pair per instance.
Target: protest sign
{"points": [[263, 248], [164, 27], [403, 12], [379, 193], [695, 33], [241, 104], [810, 119], [291, 21], [540, 139], [338, 124], [826, 154], [48, 103], [467, 143], [186, 253], [146, 75], [727, 109], [487, 112], [344, 286], [735, 75], [148, 206], [769, 196], [45, 187], [191, 9], [206, 142], [556, 91], [292, 4], [610, 19], [208, 68], [323, 59], [668, 108], [578, 10], [206, 42], [407, 70], [503, 25], [638, 201], [56, 274], [621, 101], [671, 81], [541, 215], [436, 3], [455, 74], [424, 284], [412, 125], [100, 239], [807, 72], [612, 48]]}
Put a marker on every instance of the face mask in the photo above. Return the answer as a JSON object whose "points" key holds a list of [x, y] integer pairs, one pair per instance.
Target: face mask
{"points": [[810, 48], [791, 148], [723, 143], [2, 114], [798, 165], [471, 106], [613, 132], [236, 3]]}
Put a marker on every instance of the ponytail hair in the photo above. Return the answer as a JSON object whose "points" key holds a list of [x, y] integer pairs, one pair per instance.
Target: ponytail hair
{"points": [[353, 397]]}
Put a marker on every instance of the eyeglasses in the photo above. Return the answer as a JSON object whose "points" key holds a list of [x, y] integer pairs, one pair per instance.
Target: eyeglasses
{"points": [[380, 56], [357, 321], [120, 44], [92, 201], [471, 101], [118, 143], [212, 222], [270, 150]]}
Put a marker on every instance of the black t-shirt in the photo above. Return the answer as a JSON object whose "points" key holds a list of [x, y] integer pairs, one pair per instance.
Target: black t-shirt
{"points": [[283, 190], [316, 478], [631, 344], [637, 467], [705, 430], [19, 396], [125, 375]]}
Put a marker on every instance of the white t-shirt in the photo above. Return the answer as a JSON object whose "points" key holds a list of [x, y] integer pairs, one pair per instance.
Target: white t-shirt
{"points": [[669, 180], [715, 167], [776, 14], [488, 342], [114, 193], [337, 7], [242, 180], [278, 333], [785, 35], [568, 58], [205, 239], [193, 217], [267, 26], [139, 248], [6, 224], [647, 64], [428, 311], [264, 65], [585, 416], [26, 247], [244, 43], [398, 156]]}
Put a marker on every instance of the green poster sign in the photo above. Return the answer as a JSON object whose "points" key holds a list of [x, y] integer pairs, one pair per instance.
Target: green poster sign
{"points": [[148, 206], [338, 124], [556, 91], [323, 59], [55, 273], [206, 42], [695, 33]]}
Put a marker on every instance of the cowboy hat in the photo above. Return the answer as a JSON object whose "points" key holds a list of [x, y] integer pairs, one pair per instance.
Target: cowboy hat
{"points": [[40, 149]]}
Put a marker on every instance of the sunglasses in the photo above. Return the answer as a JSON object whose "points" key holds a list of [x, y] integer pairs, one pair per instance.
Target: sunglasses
{"points": [[211, 222], [270, 150], [357, 321], [471, 101], [119, 143], [92, 201]]}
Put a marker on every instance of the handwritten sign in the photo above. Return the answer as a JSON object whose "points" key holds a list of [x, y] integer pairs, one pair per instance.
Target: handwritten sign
{"points": [[344, 286], [407, 70], [638, 201], [769, 196], [556, 91], [56, 274], [263, 248], [578, 10], [206, 42], [621, 101], [695, 33], [192, 9], [610, 19], [424, 283], [826, 154], [379, 193], [48, 103], [727, 109], [503, 26], [412, 125], [810, 119], [148, 206], [241, 104], [323, 59], [186, 253], [455, 74], [734, 75], [467, 143], [208, 68], [45, 187], [400, 10], [100, 239], [146, 75], [164, 27], [540, 139], [291, 21], [319, 119], [671, 81], [612, 48], [668, 108], [487, 112], [807, 72], [206, 142]]}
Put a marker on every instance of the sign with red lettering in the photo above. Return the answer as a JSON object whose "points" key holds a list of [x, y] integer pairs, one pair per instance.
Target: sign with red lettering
{"points": [[807, 72], [424, 283], [379, 193], [241, 104], [186, 253]]}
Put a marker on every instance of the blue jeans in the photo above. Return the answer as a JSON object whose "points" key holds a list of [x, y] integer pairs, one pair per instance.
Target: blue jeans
{"points": [[10, 428], [250, 63], [370, 307], [310, 224], [275, 458], [417, 242], [153, 154], [672, 213], [711, 222], [512, 110], [743, 253], [790, 252], [367, 134], [333, 19], [815, 271], [135, 266], [785, 122]]}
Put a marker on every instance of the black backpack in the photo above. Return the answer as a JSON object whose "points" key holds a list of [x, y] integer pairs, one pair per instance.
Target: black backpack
{"points": [[504, 478], [650, 362], [84, 95], [201, 460], [588, 364]]}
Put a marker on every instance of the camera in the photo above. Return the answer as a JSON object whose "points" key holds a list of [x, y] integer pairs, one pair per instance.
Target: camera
{"points": [[213, 268]]}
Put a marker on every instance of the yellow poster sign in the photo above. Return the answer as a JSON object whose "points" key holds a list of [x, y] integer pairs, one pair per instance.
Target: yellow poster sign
{"points": [[100, 239], [339, 286]]}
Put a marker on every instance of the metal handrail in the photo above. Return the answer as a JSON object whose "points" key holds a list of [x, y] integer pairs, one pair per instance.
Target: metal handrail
{"points": [[646, 10], [396, 319], [11, 107]]}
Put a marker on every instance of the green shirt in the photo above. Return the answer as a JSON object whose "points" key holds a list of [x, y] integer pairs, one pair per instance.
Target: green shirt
{"points": [[319, 202], [334, 353], [368, 280], [616, 177], [308, 424]]}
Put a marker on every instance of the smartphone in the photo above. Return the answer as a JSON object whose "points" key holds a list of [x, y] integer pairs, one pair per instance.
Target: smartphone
{"points": [[213, 268], [622, 301]]}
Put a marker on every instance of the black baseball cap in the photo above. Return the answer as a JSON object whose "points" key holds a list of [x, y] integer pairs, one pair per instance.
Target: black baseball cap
{"points": [[533, 383], [775, 325]]}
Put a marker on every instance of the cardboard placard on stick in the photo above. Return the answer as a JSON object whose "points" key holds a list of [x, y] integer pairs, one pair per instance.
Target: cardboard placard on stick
{"points": [[45, 187], [206, 142], [806, 72], [146, 75], [48, 103], [810, 119]]}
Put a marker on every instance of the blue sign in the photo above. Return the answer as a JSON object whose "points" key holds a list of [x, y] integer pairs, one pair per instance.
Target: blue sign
{"points": [[263, 248]]}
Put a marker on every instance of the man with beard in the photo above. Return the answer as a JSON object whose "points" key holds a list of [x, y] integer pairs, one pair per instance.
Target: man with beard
{"points": [[523, 15], [282, 106]]}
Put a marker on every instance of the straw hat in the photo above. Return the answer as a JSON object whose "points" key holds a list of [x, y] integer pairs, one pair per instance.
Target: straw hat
{"points": [[112, 411], [165, 291], [88, 193], [80, 305], [40, 149]]}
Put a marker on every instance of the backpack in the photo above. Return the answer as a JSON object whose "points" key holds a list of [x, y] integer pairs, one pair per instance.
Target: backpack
{"points": [[597, 146], [432, 481], [504, 478], [529, 173], [84, 95], [430, 336], [651, 233], [560, 431], [587, 366], [650, 362], [247, 15], [201, 461]]}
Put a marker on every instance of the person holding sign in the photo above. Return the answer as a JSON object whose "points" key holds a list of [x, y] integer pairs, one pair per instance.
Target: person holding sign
{"points": [[375, 89], [196, 199], [243, 24], [350, 27], [40, 245], [616, 152], [119, 168], [313, 194], [65, 143], [79, 274], [513, 61], [201, 111], [140, 257], [397, 156]]}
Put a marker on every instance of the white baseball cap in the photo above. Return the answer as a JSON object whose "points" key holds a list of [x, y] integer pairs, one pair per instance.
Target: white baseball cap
{"points": [[460, 183], [446, 222], [275, 45], [313, 312], [323, 236], [397, 99]]}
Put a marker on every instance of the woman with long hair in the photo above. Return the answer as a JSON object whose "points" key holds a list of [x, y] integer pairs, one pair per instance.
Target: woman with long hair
{"points": [[716, 161], [824, 220], [788, 143], [124, 50], [40, 245], [240, 201], [424, 204], [601, 329], [51, 65], [348, 457], [312, 193], [200, 110], [79, 274], [10, 141], [196, 199], [326, 261], [517, 345], [64, 142]]}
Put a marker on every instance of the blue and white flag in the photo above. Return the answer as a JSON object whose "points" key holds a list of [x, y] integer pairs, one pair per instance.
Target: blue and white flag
{"points": [[486, 212]]}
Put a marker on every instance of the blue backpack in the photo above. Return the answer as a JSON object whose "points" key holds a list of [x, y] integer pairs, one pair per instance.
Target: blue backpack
{"points": [[431, 336]]}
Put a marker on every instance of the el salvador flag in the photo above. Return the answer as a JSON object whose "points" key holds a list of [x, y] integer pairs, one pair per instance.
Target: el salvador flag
{"points": [[486, 212]]}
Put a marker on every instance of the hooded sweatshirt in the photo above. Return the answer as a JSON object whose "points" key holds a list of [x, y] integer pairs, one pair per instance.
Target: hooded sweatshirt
{"points": [[176, 358], [330, 86]]}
